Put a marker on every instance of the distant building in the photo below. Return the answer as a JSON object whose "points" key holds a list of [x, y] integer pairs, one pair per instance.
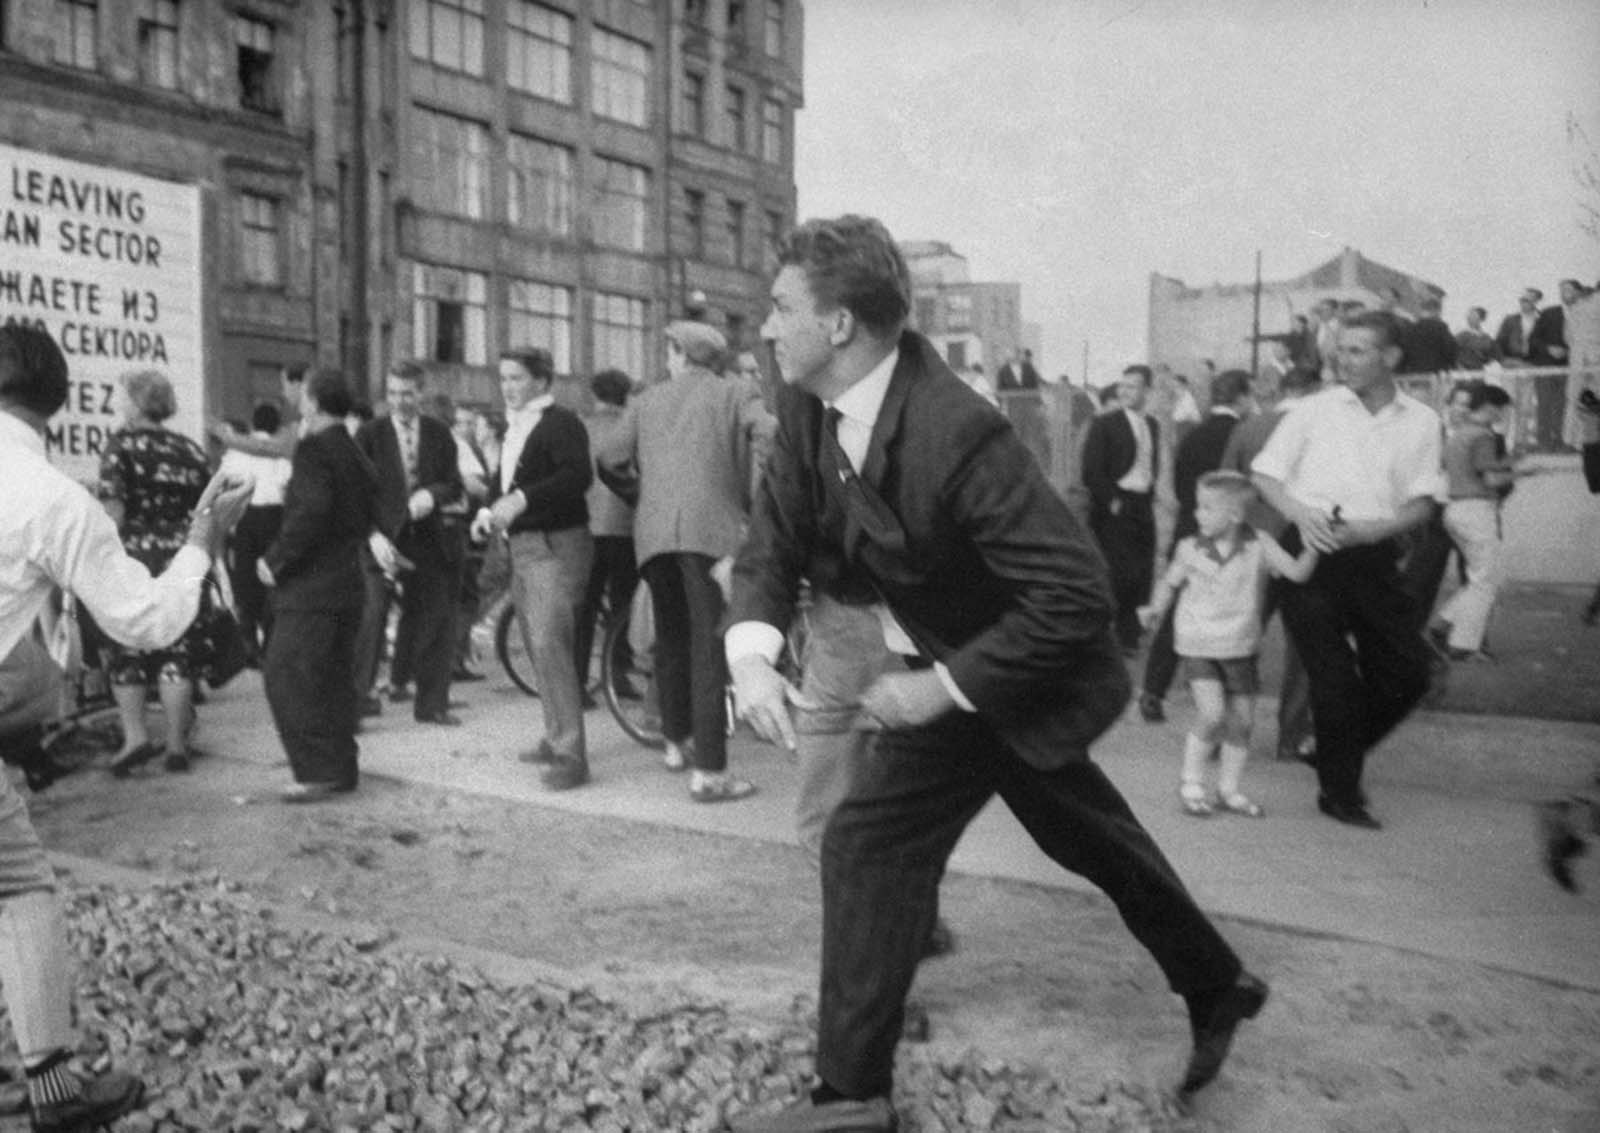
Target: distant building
{"points": [[971, 323], [349, 182], [1188, 324]]}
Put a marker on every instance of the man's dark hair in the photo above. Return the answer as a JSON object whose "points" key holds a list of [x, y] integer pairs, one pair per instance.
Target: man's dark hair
{"points": [[1299, 380], [295, 373], [1108, 395], [265, 418], [852, 262], [1145, 373], [329, 392], [361, 411], [611, 387], [1229, 386], [535, 360], [33, 371], [408, 371], [1483, 312], [1384, 324], [1497, 396]]}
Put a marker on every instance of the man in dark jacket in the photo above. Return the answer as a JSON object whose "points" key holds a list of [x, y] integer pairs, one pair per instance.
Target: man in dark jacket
{"points": [[1427, 346], [544, 475], [890, 480], [329, 510]]}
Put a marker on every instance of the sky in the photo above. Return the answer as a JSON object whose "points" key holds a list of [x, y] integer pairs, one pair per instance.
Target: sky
{"points": [[1076, 146]]}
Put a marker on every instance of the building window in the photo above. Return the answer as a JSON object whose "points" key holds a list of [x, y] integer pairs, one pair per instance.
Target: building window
{"points": [[449, 34], [619, 323], [539, 51], [775, 28], [76, 33], [452, 172], [344, 59], [158, 43], [260, 240], [621, 196], [772, 131], [736, 25], [694, 104], [620, 76], [541, 189], [694, 216], [772, 234], [541, 315], [733, 116], [736, 232], [257, 80], [448, 315]]}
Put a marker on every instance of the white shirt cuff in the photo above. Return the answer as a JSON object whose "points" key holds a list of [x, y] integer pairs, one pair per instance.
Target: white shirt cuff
{"points": [[949, 683], [746, 638]]}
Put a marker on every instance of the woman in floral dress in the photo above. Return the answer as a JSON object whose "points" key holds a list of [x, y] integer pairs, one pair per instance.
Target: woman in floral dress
{"points": [[151, 479]]}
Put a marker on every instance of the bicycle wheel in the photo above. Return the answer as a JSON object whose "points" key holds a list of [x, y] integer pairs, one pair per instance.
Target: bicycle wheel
{"points": [[512, 649], [638, 714]]}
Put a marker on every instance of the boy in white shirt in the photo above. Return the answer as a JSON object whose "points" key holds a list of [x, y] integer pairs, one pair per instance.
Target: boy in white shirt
{"points": [[1219, 578]]}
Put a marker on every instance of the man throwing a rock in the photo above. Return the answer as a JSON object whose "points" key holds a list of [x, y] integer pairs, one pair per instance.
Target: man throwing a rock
{"points": [[886, 465]]}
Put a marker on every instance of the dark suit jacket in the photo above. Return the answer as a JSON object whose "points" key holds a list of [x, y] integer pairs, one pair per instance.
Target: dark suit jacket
{"points": [[1198, 453], [329, 509], [1509, 337], [430, 541], [1010, 378], [1109, 451], [553, 473], [977, 557], [1427, 346], [1549, 329]]}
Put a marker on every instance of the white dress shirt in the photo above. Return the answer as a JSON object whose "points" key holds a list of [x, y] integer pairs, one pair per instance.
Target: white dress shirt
{"points": [[54, 534], [858, 408], [1331, 451], [1141, 476], [271, 473]]}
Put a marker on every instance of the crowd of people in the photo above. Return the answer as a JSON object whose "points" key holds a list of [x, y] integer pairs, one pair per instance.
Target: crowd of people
{"points": [[968, 636]]}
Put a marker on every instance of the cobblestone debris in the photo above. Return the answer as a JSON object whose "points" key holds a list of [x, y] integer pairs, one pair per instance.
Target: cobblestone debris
{"points": [[241, 1024]]}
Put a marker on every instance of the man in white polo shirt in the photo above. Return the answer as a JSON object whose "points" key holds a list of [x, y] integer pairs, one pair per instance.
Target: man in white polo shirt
{"points": [[1351, 468]]}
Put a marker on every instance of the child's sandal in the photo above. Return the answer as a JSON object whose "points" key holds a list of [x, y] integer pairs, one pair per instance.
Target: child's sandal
{"points": [[1196, 805], [1239, 804]]}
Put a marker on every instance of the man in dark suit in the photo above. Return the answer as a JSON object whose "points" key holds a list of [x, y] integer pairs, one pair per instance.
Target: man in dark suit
{"points": [[1427, 346], [1516, 329], [540, 508], [329, 510], [1121, 462], [890, 480], [418, 476], [1018, 373], [1547, 346], [1198, 453]]}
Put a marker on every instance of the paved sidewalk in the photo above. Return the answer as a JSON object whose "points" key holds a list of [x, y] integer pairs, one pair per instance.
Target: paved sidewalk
{"points": [[1454, 874]]}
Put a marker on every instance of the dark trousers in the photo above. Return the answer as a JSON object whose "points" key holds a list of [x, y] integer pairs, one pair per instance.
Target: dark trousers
{"points": [[884, 853], [1355, 626], [424, 637], [615, 576], [1161, 664], [1427, 555], [691, 668], [254, 534], [311, 694], [1128, 542]]}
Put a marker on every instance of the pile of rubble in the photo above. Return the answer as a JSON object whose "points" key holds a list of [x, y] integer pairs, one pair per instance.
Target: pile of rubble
{"points": [[239, 1023]]}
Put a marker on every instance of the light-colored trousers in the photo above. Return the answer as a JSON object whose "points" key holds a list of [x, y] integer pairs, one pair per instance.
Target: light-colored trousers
{"points": [[35, 965], [845, 653], [1474, 525], [548, 573]]}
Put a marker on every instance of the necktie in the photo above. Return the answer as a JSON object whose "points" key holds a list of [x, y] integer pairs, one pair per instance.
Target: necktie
{"points": [[408, 452]]}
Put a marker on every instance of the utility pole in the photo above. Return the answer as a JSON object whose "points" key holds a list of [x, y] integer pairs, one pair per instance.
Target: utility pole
{"points": [[1255, 321]]}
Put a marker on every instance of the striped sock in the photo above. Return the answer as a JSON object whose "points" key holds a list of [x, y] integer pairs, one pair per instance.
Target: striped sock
{"points": [[50, 1082]]}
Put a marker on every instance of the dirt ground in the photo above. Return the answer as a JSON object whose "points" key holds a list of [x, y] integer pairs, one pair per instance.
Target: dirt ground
{"points": [[1357, 1038]]}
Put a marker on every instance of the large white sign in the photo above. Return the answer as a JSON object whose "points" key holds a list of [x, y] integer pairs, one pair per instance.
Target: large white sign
{"points": [[108, 263]]}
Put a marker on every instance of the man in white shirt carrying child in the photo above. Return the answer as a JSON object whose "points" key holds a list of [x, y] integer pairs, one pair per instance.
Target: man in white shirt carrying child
{"points": [[1219, 579]]}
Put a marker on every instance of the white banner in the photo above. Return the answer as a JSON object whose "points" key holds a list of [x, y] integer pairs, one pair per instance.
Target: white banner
{"points": [[108, 263]]}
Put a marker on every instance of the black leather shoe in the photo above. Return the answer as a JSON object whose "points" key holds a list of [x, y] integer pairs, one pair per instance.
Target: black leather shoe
{"points": [[371, 706], [123, 766], [875, 1115], [1213, 1034], [1351, 814], [443, 719], [397, 694], [103, 1099], [1151, 710]]}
